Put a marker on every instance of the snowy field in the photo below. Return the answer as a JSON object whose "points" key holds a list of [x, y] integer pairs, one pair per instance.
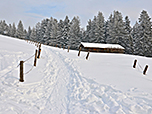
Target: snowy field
{"points": [[63, 83]]}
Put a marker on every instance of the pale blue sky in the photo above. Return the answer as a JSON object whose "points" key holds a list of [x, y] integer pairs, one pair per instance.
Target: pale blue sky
{"points": [[33, 11]]}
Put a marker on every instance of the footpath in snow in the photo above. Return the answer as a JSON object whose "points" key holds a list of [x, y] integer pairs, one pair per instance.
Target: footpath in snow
{"points": [[63, 83]]}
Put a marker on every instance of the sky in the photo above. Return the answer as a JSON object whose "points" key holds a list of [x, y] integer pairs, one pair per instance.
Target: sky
{"points": [[33, 11]]}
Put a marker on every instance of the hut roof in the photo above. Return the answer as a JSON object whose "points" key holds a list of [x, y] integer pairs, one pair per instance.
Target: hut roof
{"points": [[100, 45]]}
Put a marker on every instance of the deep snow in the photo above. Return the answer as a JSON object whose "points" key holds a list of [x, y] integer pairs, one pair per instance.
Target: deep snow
{"points": [[63, 83]]}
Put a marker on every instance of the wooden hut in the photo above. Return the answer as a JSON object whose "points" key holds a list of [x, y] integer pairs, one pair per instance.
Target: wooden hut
{"points": [[102, 48]]}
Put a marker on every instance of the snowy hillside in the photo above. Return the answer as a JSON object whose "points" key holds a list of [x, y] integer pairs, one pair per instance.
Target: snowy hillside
{"points": [[63, 83]]}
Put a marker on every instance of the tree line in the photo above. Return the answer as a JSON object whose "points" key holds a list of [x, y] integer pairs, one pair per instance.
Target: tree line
{"points": [[136, 40]]}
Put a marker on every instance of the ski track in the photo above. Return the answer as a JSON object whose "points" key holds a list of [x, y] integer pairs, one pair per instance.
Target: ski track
{"points": [[63, 90]]}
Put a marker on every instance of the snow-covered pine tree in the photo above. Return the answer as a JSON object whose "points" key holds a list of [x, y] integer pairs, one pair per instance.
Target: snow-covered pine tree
{"points": [[13, 30], [108, 29], [135, 37], [87, 32], [20, 30], [66, 28], [116, 29], [3, 27], [38, 31], [128, 28], [100, 28], [48, 31], [33, 35], [9, 30], [83, 33], [74, 33], [128, 41], [25, 33], [92, 34], [145, 31], [43, 30], [54, 31], [60, 32], [28, 33]]}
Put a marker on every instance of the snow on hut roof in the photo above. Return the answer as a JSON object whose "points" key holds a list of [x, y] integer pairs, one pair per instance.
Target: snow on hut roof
{"points": [[99, 45]]}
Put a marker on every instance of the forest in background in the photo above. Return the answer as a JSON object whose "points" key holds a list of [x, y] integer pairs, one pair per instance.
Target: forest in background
{"points": [[136, 40]]}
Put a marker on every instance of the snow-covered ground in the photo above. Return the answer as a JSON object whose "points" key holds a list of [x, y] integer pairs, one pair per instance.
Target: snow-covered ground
{"points": [[63, 83]]}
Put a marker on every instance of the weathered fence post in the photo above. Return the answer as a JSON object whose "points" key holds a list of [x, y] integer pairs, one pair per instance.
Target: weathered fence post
{"points": [[134, 66], [68, 48], [21, 71], [79, 51], [144, 72], [39, 51], [35, 58], [87, 55]]}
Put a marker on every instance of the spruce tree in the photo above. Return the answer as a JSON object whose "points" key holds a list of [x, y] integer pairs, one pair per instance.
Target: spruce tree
{"points": [[88, 30], [100, 29], [20, 30], [128, 28], [60, 32], [13, 30], [33, 34], [9, 30], [4, 28], [108, 29], [47, 31], [54, 31], [128, 41], [74, 33], [25, 33], [43, 30], [145, 31], [65, 32], [92, 34], [38, 31], [116, 29], [28, 33], [135, 37]]}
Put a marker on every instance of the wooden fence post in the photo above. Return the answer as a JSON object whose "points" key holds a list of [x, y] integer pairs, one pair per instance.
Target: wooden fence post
{"points": [[68, 48], [35, 58], [79, 51], [21, 71], [144, 72], [134, 66], [39, 51], [87, 55]]}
